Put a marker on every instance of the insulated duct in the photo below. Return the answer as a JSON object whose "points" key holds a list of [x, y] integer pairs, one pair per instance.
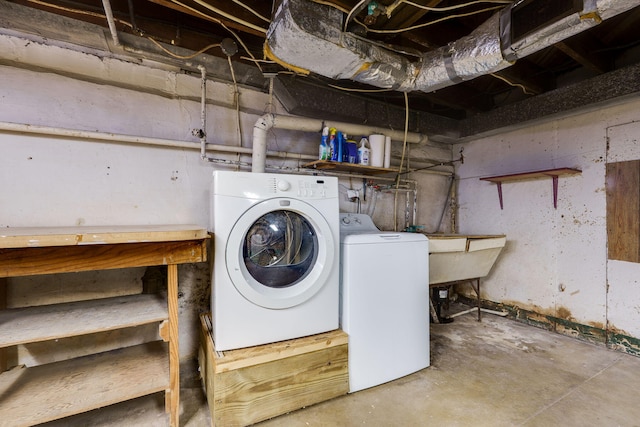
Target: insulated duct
{"points": [[305, 35]]}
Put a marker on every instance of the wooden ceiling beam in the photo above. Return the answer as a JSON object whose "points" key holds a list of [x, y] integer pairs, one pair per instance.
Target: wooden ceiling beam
{"points": [[211, 16], [581, 49], [462, 96]]}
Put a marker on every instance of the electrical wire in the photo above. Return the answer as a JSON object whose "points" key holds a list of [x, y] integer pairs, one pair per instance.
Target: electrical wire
{"points": [[236, 102], [457, 6], [217, 21], [179, 3], [351, 12], [524, 88], [230, 17], [251, 10], [168, 52], [80, 12], [426, 24], [333, 5], [346, 89], [265, 61], [128, 24]]}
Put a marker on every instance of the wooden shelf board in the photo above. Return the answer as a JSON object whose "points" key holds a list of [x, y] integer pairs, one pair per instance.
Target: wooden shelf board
{"points": [[532, 175], [44, 393], [147, 410], [347, 167], [64, 259], [547, 173], [47, 322], [94, 235]]}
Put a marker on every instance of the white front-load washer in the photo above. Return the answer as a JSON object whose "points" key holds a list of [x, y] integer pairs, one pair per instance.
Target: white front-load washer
{"points": [[276, 257]]}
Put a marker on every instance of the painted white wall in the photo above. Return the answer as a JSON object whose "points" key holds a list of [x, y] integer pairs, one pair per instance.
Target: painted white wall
{"points": [[555, 260]]}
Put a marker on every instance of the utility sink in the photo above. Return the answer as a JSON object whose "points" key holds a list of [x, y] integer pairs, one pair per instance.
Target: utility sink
{"points": [[458, 257]]}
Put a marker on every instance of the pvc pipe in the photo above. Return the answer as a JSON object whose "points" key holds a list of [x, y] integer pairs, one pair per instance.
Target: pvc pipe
{"points": [[112, 24], [268, 121], [484, 310], [260, 129], [315, 125], [139, 140], [203, 111]]}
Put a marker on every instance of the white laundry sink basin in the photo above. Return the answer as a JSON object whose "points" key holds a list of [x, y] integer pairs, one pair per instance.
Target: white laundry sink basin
{"points": [[457, 257]]}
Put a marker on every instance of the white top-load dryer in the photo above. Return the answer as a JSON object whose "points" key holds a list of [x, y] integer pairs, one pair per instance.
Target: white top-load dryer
{"points": [[384, 301]]}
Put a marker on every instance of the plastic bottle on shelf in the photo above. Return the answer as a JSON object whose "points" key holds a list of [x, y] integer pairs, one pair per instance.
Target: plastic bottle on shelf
{"points": [[340, 147], [324, 152], [363, 152], [333, 145], [352, 150]]}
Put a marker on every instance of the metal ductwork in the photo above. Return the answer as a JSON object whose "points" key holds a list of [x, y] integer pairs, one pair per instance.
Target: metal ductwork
{"points": [[308, 36]]}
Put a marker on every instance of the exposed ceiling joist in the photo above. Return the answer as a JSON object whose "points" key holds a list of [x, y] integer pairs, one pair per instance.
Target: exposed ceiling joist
{"points": [[191, 25]]}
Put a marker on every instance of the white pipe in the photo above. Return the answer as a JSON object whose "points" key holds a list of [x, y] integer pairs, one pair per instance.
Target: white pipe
{"points": [[260, 129], [203, 111], [315, 125], [112, 24], [484, 310], [268, 121], [139, 140]]}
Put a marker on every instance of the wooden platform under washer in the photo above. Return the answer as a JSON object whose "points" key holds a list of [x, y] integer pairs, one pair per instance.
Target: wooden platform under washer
{"points": [[253, 384]]}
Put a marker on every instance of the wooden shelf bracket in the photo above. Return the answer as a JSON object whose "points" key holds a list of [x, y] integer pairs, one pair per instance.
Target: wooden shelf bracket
{"points": [[553, 173]]}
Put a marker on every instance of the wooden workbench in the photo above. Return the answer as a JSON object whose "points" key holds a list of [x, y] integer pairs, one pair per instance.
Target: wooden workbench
{"points": [[32, 395]]}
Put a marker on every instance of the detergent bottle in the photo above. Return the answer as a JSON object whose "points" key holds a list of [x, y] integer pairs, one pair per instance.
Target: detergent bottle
{"points": [[352, 150], [325, 151], [363, 152], [333, 145], [340, 144]]}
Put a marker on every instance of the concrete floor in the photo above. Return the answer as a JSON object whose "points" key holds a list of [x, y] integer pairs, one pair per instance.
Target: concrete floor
{"points": [[494, 373]]}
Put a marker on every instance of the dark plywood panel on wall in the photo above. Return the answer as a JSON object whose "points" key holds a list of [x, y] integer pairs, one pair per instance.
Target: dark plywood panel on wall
{"points": [[3, 305], [623, 210]]}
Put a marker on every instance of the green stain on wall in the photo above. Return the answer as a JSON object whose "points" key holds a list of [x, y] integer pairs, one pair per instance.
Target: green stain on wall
{"points": [[612, 339]]}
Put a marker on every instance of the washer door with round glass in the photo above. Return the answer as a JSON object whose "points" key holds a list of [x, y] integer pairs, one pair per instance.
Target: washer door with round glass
{"points": [[280, 253]]}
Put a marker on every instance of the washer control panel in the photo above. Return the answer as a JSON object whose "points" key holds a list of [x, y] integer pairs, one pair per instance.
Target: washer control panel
{"points": [[260, 186], [306, 187], [356, 223]]}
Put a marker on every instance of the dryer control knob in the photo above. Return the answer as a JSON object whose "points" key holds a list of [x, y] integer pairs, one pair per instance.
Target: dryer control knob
{"points": [[283, 185]]}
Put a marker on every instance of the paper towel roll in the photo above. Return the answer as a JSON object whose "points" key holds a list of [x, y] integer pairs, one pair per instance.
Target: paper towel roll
{"points": [[387, 152], [377, 150]]}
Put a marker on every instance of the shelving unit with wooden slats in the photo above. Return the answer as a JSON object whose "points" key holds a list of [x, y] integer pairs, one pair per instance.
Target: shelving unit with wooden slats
{"points": [[33, 395]]}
